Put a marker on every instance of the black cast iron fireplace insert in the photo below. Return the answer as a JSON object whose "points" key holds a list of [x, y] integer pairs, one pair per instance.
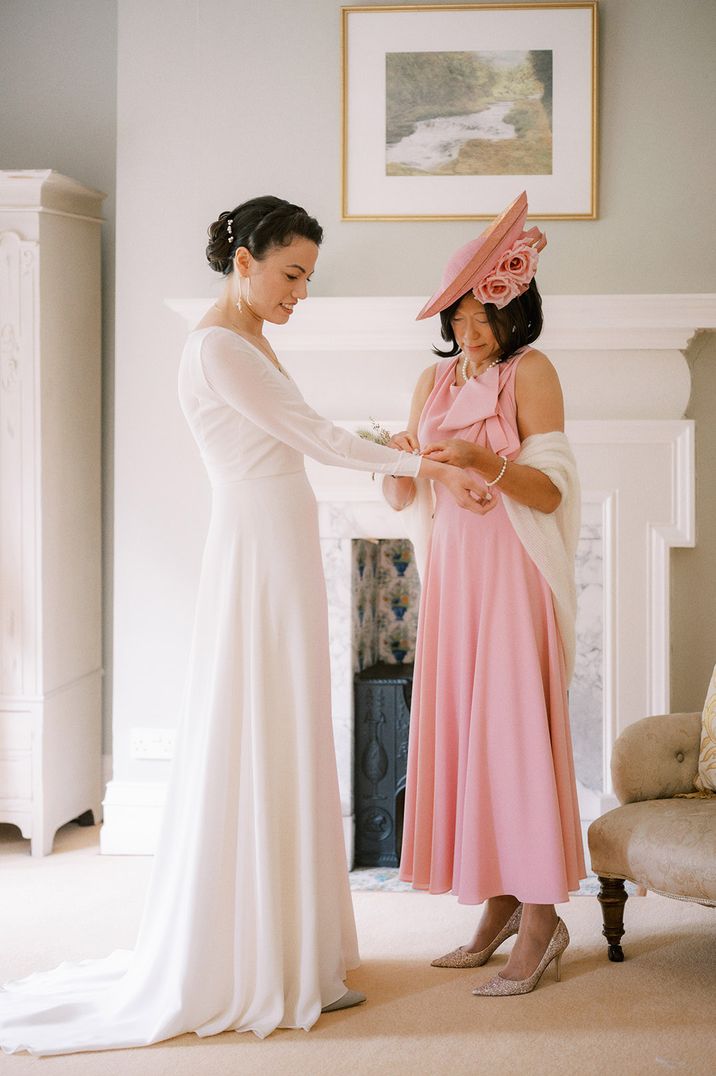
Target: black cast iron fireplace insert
{"points": [[382, 719]]}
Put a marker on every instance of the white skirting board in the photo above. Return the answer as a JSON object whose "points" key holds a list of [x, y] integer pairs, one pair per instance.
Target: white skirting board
{"points": [[133, 815]]}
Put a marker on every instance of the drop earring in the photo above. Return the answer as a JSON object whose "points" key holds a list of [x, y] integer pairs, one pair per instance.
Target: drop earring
{"points": [[244, 302]]}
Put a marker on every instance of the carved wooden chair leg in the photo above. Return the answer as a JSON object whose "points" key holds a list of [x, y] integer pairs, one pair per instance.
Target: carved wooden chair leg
{"points": [[612, 897]]}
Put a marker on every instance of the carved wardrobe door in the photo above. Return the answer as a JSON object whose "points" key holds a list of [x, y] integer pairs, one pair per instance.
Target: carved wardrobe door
{"points": [[50, 516]]}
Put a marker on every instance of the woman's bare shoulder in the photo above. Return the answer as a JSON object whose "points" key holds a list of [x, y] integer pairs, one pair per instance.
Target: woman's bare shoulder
{"points": [[535, 361], [536, 368], [427, 378], [538, 395]]}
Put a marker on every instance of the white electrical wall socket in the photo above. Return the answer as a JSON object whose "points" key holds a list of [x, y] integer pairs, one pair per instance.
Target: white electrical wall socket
{"points": [[151, 743]]}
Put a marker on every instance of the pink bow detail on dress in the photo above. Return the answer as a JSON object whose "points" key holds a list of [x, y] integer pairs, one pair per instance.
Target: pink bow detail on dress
{"points": [[477, 402]]}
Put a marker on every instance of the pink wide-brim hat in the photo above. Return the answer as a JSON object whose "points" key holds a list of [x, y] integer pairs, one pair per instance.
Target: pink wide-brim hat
{"points": [[469, 265]]}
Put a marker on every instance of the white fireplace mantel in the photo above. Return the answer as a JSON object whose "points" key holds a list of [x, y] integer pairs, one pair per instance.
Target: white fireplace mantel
{"points": [[626, 383], [617, 356], [572, 322]]}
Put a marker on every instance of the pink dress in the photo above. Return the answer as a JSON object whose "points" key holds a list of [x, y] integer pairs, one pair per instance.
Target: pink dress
{"points": [[491, 801]]}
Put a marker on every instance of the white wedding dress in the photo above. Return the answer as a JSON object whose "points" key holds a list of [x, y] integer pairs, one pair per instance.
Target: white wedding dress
{"points": [[248, 923]]}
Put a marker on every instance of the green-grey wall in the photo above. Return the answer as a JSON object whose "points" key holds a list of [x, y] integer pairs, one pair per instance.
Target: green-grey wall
{"points": [[221, 99], [244, 97], [249, 101], [58, 109]]}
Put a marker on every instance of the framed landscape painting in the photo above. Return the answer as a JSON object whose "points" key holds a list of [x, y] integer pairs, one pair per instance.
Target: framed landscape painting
{"points": [[450, 110]]}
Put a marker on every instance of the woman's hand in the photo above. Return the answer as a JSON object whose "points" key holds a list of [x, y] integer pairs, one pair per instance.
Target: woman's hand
{"points": [[400, 492], [468, 490], [454, 451], [404, 441], [454, 455]]}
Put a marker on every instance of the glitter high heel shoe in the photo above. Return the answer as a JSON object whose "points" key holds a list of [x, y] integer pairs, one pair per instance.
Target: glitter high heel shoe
{"points": [[497, 987], [462, 958]]}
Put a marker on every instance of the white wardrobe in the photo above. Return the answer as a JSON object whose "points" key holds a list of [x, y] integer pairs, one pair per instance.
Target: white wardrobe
{"points": [[50, 519]]}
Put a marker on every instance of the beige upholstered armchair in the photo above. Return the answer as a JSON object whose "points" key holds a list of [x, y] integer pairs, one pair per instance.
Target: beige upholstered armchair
{"points": [[662, 843]]}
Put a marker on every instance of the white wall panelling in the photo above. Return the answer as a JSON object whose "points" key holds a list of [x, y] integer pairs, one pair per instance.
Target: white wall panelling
{"points": [[50, 543], [640, 475]]}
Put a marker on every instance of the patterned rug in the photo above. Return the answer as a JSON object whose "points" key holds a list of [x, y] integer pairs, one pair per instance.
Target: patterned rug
{"points": [[385, 879]]}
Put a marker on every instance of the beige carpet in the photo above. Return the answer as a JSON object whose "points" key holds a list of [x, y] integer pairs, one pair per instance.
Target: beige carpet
{"points": [[654, 1013]]}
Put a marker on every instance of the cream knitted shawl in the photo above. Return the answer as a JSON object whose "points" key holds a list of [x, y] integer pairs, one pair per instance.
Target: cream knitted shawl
{"points": [[550, 539]]}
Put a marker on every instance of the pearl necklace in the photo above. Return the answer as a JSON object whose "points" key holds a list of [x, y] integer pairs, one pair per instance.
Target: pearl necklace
{"points": [[488, 367]]}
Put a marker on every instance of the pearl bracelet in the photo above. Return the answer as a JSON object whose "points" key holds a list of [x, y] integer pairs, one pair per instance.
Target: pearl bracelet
{"points": [[502, 471]]}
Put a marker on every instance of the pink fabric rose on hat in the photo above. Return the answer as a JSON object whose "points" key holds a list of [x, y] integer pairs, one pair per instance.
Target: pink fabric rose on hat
{"points": [[520, 262], [499, 289], [513, 272]]}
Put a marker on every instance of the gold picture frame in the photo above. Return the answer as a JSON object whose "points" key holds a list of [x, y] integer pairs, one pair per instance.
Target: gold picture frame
{"points": [[419, 80]]}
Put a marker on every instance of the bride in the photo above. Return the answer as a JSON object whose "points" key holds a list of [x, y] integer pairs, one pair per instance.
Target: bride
{"points": [[248, 923]]}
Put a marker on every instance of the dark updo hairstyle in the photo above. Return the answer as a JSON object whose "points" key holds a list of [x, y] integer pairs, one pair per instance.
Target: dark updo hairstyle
{"points": [[259, 225], [517, 324]]}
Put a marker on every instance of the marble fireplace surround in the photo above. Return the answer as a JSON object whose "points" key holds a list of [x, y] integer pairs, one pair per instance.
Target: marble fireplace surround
{"points": [[626, 385]]}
